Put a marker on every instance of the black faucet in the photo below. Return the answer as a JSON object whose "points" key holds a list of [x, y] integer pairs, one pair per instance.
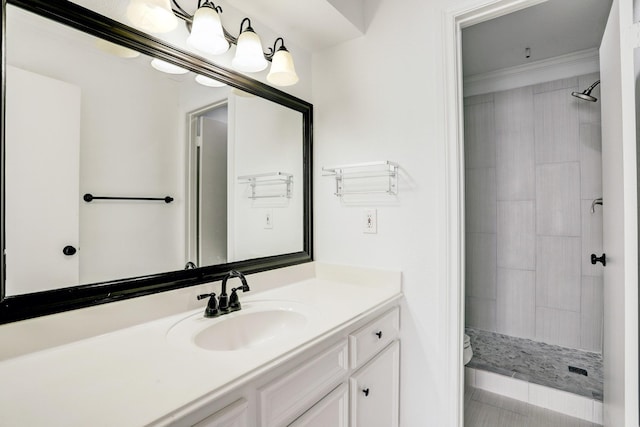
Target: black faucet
{"points": [[224, 303]]}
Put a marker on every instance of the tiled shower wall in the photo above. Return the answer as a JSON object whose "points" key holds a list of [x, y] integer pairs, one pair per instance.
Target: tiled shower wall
{"points": [[533, 167]]}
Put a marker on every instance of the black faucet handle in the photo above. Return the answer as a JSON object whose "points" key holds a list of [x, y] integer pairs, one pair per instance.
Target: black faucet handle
{"points": [[203, 296], [234, 301], [212, 306]]}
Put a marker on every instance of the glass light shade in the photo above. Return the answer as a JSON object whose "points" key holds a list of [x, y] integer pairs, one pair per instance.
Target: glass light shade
{"points": [[283, 72], [206, 81], [116, 49], [206, 33], [249, 57], [154, 16], [167, 67]]}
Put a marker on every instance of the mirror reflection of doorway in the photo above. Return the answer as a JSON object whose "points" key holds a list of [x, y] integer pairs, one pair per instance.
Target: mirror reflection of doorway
{"points": [[209, 137]]}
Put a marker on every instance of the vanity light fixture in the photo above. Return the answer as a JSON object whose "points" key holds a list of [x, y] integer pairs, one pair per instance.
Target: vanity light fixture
{"points": [[249, 57], [208, 35], [283, 72]]}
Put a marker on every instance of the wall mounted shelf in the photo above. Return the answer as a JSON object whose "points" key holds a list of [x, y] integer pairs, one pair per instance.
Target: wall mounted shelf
{"points": [[365, 178], [279, 182]]}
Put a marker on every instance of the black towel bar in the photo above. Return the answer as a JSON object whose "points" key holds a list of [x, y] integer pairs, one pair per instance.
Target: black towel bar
{"points": [[89, 197]]}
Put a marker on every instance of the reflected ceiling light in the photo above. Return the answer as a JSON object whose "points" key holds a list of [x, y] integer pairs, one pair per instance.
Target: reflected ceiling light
{"points": [[208, 35], [167, 67], [116, 49], [282, 72], [249, 55], [154, 16], [206, 81]]}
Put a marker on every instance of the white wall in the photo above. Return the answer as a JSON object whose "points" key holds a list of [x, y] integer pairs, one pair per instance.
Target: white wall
{"points": [[382, 97], [377, 98]]}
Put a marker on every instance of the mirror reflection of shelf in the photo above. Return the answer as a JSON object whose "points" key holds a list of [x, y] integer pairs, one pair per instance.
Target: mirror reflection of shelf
{"points": [[365, 178], [268, 185]]}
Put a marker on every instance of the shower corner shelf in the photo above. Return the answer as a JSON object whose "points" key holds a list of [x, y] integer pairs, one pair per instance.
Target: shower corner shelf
{"points": [[374, 177], [280, 181]]}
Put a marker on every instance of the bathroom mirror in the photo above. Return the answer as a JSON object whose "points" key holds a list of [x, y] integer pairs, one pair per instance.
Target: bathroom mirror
{"points": [[229, 167]]}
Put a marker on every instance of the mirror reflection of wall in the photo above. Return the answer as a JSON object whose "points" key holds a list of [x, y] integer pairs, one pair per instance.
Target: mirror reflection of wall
{"points": [[263, 217], [269, 220], [131, 122]]}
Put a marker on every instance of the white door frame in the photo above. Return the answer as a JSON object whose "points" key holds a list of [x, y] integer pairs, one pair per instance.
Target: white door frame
{"points": [[454, 21]]}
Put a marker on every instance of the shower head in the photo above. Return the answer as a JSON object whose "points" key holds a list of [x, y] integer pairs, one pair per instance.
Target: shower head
{"points": [[586, 94]]}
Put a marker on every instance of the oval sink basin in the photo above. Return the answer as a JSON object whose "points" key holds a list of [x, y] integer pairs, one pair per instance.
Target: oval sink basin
{"points": [[255, 325], [248, 329]]}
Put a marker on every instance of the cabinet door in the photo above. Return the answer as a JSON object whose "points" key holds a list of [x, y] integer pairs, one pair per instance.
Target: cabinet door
{"points": [[332, 410], [285, 398], [234, 415], [375, 390]]}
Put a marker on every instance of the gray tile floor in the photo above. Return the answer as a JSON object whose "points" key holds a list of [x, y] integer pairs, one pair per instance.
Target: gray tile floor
{"points": [[537, 362], [485, 409]]}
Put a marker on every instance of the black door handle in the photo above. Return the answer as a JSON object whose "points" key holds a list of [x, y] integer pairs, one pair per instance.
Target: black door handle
{"points": [[69, 250], [602, 259]]}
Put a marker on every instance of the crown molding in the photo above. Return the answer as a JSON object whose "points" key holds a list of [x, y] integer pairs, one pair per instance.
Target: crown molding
{"points": [[560, 67]]}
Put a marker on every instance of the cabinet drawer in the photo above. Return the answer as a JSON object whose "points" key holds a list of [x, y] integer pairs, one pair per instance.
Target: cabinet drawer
{"points": [[332, 410], [375, 390], [373, 337], [285, 398]]}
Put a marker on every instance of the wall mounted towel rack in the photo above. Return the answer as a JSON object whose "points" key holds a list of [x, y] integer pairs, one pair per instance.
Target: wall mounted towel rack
{"points": [[281, 182], [90, 197], [365, 178]]}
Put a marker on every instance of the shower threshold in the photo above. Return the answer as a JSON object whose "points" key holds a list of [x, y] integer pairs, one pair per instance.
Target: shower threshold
{"points": [[535, 362]]}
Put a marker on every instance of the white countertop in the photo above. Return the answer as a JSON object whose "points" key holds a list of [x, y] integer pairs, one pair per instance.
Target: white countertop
{"points": [[136, 376]]}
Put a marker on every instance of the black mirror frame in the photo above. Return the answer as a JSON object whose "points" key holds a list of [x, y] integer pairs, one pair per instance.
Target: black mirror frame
{"points": [[20, 307]]}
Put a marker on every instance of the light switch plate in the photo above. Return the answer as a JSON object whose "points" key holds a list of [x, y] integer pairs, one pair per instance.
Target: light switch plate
{"points": [[370, 221], [268, 219]]}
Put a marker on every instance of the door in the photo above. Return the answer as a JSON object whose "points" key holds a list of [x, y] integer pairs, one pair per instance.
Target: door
{"points": [[620, 238], [43, 132], [212, 218], [375, 390]]}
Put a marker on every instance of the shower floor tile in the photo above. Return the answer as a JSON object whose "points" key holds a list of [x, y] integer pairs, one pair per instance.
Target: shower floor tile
{"points": [[537, 362]]}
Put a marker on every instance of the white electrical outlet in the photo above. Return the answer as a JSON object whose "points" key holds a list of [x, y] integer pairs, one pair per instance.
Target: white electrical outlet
{"points": [[370, 221], [268, 219]]}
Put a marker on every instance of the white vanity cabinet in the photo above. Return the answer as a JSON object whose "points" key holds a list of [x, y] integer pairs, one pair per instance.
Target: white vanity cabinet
{"points": [[374, 352], [349, 379]]}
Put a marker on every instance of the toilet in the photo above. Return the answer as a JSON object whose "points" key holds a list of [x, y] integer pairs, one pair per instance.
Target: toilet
{"points": [[467, 352]]}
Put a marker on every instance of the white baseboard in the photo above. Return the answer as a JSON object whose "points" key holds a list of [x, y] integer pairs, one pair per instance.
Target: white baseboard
{"points": [[545, 397]]}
